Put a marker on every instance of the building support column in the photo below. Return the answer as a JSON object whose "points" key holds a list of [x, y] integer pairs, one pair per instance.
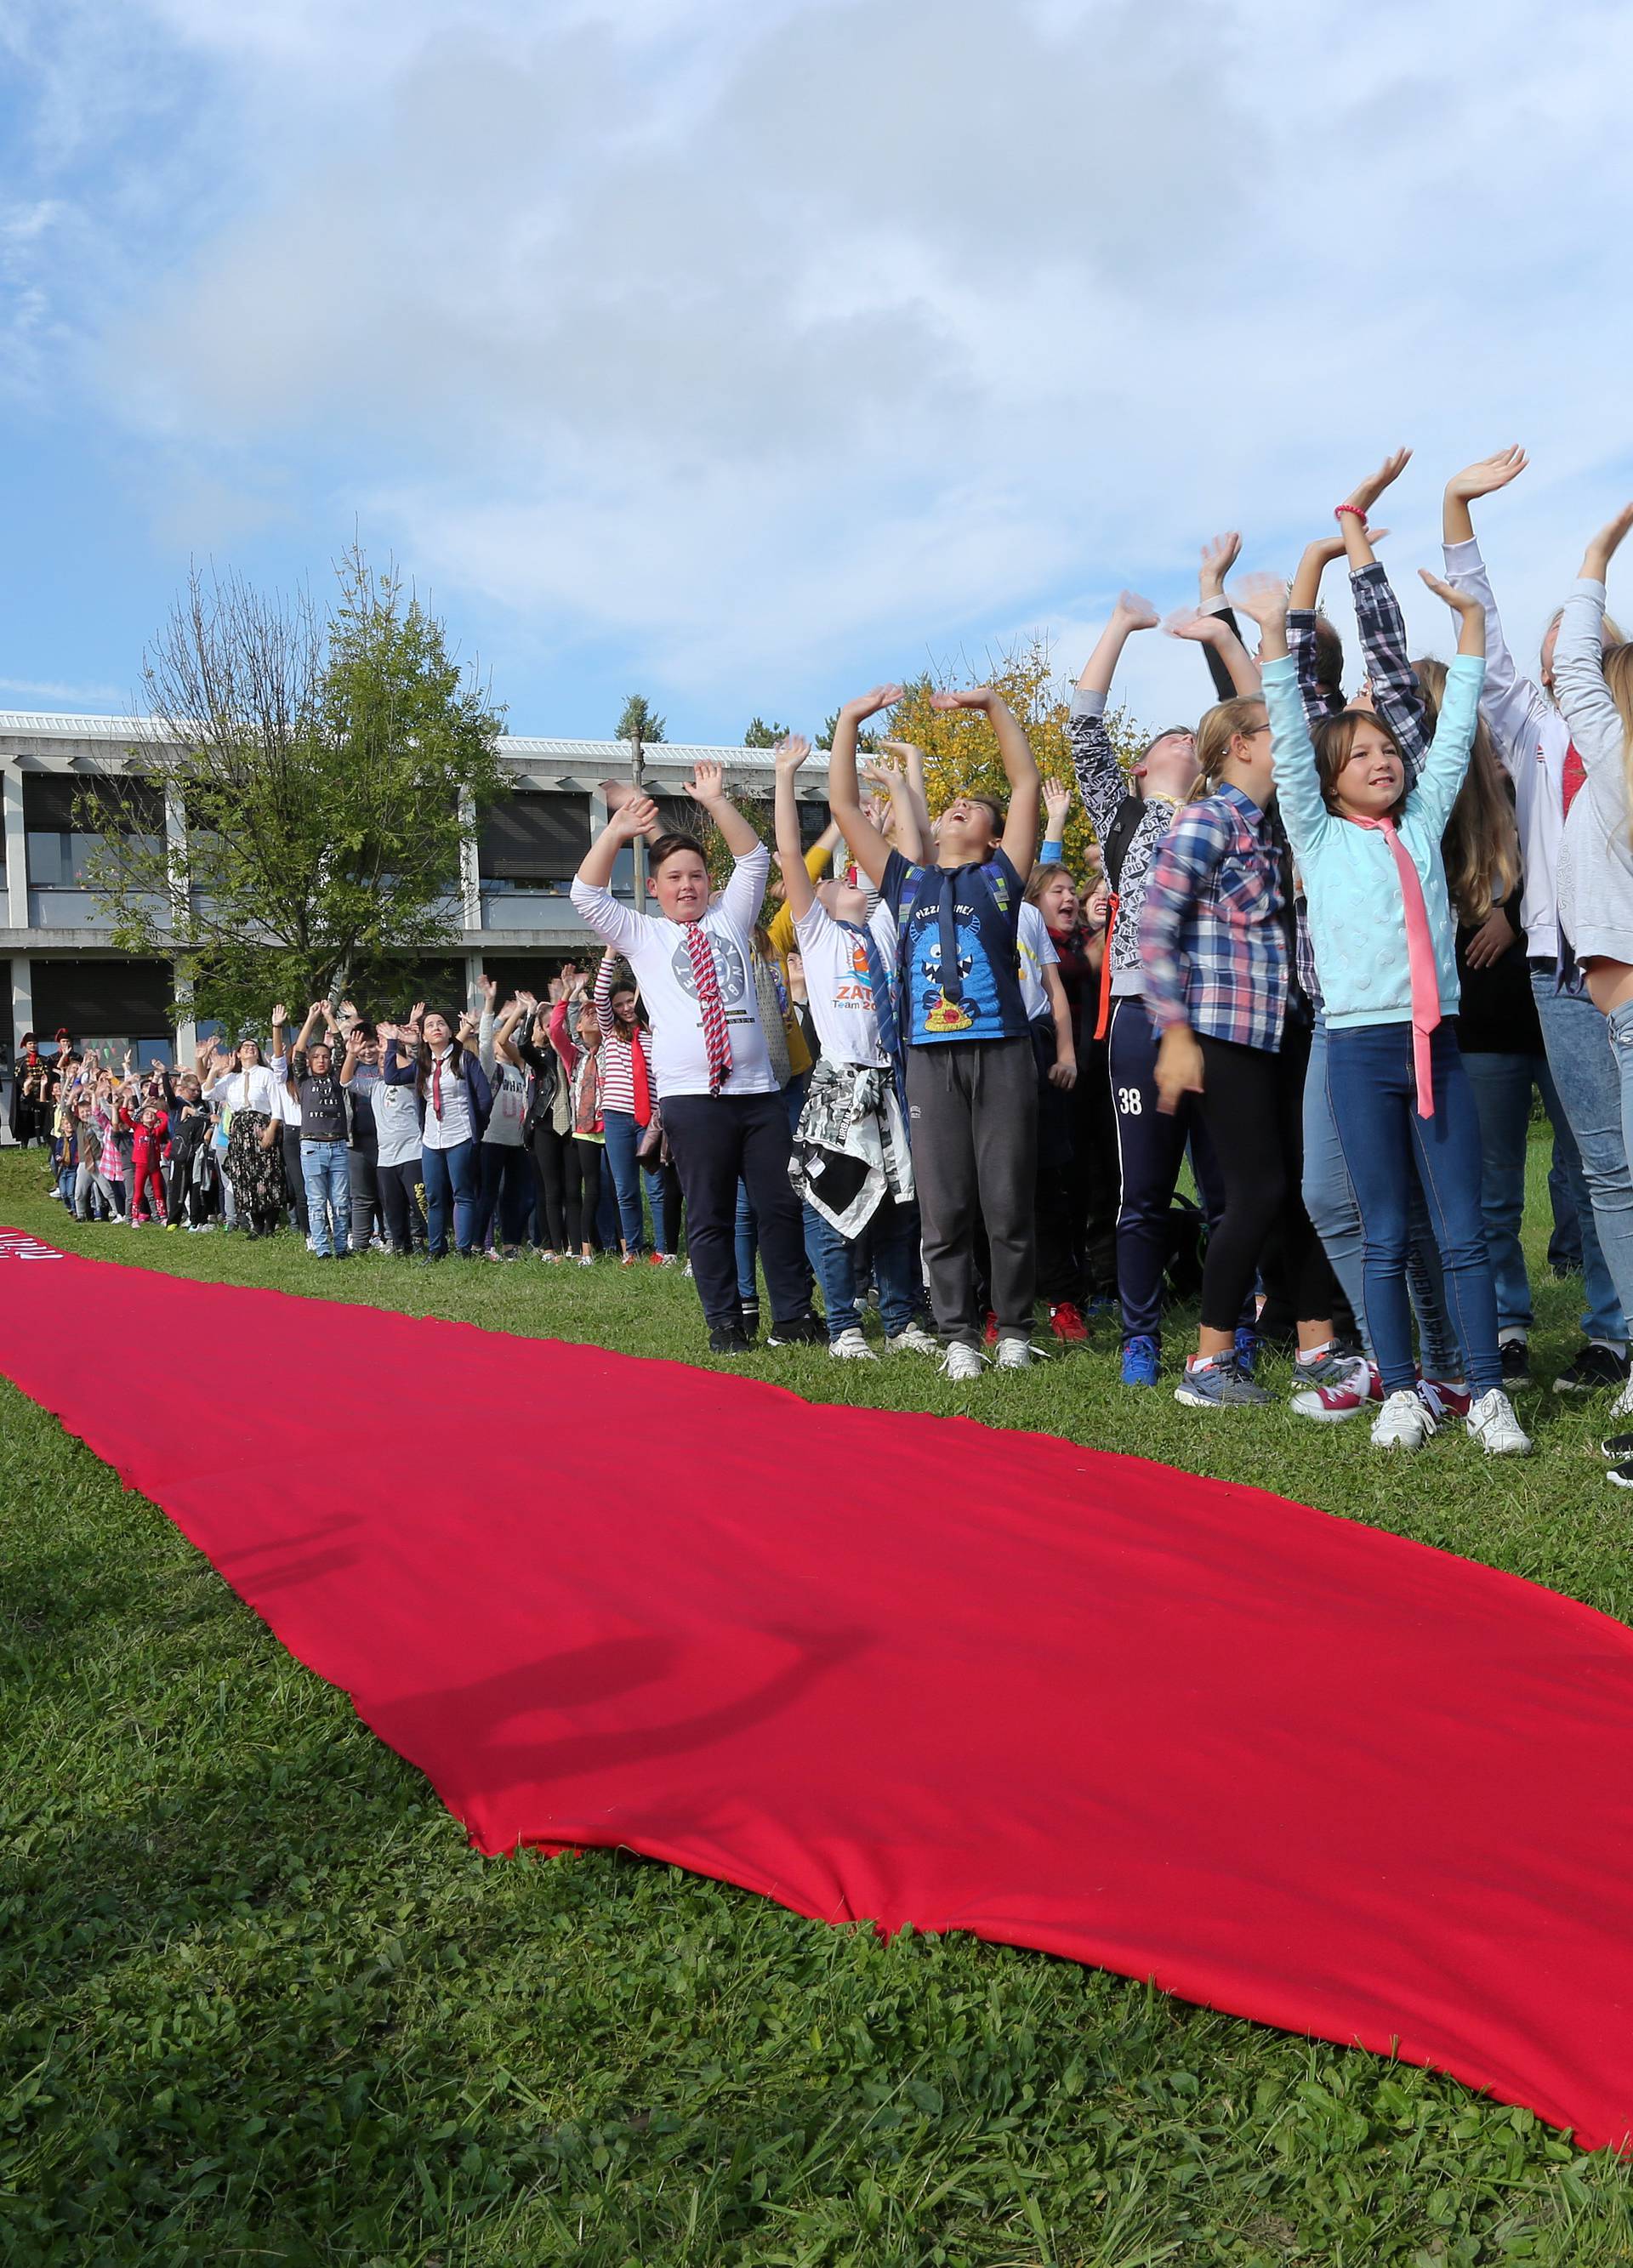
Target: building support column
{"points": [[16, 849]]}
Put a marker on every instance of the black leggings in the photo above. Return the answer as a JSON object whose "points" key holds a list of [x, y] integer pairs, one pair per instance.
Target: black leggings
{"points": [[399, 1204], [1251, 1105], [549, 1153], [583, 1192]]}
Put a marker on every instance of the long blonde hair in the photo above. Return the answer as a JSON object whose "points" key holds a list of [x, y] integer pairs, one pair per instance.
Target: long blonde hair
{"points": [[1214, 735], [1618, 667], [1481, 845]]}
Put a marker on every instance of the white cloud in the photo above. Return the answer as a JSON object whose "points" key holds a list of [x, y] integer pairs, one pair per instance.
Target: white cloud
{"points": [[791, 341]]}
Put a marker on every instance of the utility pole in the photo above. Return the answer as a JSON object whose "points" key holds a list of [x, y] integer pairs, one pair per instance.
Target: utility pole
{"points": [[638, 774]]}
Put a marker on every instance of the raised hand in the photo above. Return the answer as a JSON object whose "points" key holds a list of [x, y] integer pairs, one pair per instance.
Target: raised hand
{"points": [[1607, 543], [1134, 613], [898, 751], [707, 783], [1191, 622], [1464, 602], [868, 704], [1220, 555], [1486, 474], [1262, 597], [488, 986], [1057, 803], [790, 753], [386, 1032], [965, 697], [1365, 493], [417, 1015], [638, 816]]}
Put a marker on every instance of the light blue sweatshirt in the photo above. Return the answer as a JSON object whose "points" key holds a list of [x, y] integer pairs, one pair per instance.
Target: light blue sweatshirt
{"points": [[1352, 891]]}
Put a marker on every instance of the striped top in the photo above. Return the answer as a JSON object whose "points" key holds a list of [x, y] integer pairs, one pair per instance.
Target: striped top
{"points": [[617, 1074]]}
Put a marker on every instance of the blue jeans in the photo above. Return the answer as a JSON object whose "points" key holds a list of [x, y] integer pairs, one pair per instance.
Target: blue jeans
{"points": [[623, 1132], [1583, 1060], [326, 1177], [894, 1229], [1330, 1202], [1386, 1148], [1503, 1085], [450, 1175]]}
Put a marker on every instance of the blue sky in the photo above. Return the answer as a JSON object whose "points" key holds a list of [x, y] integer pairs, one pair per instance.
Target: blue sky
{"points": [[749, 353]]}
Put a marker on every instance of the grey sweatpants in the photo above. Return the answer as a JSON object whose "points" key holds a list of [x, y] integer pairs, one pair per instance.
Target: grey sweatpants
{"points": [[973, 1108]]}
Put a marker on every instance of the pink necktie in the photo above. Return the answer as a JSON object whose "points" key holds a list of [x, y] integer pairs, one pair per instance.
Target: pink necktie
{"points": [[1420, 962]]}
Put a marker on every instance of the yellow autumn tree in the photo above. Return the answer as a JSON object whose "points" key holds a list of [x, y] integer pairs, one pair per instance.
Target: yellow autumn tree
{"points": [[961, 754]]}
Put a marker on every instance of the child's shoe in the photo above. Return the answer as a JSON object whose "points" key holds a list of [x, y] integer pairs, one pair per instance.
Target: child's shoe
{"points": [[1405, 1421], [1492, 1423], [851, 1346], [1142, 1360], [1215, 1381], [961, 1363]]}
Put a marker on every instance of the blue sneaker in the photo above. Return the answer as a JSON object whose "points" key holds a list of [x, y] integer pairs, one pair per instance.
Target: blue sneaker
{"points": [[1247, 1350], [1142, 1360]]}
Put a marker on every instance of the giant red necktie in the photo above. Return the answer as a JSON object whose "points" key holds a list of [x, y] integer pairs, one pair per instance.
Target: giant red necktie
{"points": [[716, 1039], [1425, 979]]}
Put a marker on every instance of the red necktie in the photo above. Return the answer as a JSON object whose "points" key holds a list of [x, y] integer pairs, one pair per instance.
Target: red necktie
{"points": [[1420, 962], [716, 1040], [1574, 777], [436, 1085]]}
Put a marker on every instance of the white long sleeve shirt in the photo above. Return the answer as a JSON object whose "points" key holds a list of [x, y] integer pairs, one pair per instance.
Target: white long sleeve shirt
{"points": [[655, 949], [1533, 740]]}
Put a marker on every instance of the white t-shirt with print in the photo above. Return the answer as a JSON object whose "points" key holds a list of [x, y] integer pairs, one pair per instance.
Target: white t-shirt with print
{"points": [[835, 983], [656, 950], [510, 1105], [396, 1124], [1037, 953]]}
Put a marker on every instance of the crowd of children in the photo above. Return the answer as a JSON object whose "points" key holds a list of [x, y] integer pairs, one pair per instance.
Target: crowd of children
{"points": [[1328, 947]]}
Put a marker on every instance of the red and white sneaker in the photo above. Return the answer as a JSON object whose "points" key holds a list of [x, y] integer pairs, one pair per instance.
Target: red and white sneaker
{"points": [[1444, 1397], [1066, 1322], [1357, 1387]]}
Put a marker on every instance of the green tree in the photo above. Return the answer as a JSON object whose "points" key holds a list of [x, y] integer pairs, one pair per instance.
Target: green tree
{"points": [[762, 735], [867, 743], [638, 721], [326, 773]]}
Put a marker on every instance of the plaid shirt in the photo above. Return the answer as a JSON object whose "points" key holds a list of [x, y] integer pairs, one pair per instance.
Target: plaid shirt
{"points": [[1210, 930]]}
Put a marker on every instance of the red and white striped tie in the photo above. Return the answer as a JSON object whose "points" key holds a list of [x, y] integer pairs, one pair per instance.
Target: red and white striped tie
{"points": [[716, 1039]]}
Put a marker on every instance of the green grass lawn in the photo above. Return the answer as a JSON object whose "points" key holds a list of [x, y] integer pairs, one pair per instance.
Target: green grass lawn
{"points": [[260, 2003]]}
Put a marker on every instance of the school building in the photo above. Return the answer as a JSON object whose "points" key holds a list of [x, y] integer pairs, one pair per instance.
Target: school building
{"points": [[518, 923]]}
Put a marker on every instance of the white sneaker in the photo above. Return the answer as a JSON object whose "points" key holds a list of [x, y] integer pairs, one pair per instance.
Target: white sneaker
{"points": [[961, 1363], [1403, 1423], [1492, 1423], [1622, 1406], [1017, 1354], [587, 1260], [851, 1346], [914, 1340], [312, 1244], [494, 1254]]}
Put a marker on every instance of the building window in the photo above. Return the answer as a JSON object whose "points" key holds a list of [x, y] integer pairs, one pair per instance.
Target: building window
{"points": [[534, 842], [56, 807]]}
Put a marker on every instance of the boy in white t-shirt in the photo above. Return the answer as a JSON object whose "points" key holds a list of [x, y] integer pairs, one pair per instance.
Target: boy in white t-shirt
{"points": [[722, 1113], [852, 1165]]}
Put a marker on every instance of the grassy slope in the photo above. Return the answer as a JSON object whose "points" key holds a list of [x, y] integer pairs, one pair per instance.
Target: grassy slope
{"points": [[258, 2001]]}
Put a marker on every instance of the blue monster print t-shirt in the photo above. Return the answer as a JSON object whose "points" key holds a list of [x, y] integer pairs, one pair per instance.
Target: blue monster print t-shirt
{"points": [[977, 908]]}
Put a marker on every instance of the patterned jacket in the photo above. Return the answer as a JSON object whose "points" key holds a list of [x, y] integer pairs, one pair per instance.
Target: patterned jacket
{"points": [[1211, 933], [1103, 783]]}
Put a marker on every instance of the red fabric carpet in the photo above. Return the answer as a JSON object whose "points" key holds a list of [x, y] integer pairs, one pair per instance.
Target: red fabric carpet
{"points": [[911, 1669]]}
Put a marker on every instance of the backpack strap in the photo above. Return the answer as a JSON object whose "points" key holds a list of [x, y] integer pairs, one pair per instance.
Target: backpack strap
{"points": [[1118, 836]]}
